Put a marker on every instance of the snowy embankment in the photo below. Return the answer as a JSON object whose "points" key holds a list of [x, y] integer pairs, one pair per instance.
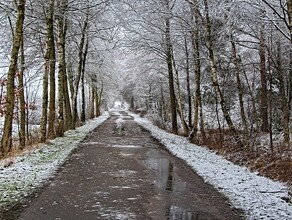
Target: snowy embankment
{"points": [[30, 170], [259, 197]]}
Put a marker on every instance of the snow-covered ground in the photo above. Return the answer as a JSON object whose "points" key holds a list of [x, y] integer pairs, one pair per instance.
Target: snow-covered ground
{"points": [[21, 175], [259, 197]]}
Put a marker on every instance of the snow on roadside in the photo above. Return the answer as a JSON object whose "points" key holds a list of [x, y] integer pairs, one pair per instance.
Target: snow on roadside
{"points": [[259, 197], [32, 169]]}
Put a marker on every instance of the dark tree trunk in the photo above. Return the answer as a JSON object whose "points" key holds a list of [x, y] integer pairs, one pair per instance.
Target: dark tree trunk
{"points": [[170, 74], [22, 133], [68, 112], [79, 73], [284, 100], [289, 6], [6, 141], [83, 111], [52, 52], [263, 91], [92, 101], [62, 5], [188, 84]]}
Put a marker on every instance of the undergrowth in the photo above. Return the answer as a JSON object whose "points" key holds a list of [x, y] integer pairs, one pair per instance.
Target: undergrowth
{"points": [[276, 165]]}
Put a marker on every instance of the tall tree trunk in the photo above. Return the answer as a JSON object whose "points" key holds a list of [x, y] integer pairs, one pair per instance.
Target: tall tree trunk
{"points": [[96, 102], [198, 106], [289, 6], [284, 101], [215, 79], [44, 118], [99, 100], [170, 72], [79, 73], [239, 87], [254, 113], [52, 95], [62, 5], [22, 135], [92, 101], [6, 141], [83, 102], [290, 82], [270, 102], [68, 112], [98, 96], [263, 91], [49, 73], [163, 107], [179, 101], [70, 78], [83, 113], [188, 83]]}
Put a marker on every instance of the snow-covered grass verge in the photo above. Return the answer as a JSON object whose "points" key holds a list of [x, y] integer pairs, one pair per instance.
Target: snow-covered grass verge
{"points": [[258, 197], [32, 169]]}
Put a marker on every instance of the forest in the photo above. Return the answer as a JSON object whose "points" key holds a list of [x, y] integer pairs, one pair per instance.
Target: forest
{"points": [[216, 71]]}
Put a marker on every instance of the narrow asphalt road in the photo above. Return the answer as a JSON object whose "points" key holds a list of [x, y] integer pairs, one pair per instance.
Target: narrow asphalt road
{"points": [[125, 174]]}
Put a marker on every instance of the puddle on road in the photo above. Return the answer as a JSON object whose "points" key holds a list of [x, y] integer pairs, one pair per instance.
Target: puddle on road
{"points": [[166, 177], [175, 212]]}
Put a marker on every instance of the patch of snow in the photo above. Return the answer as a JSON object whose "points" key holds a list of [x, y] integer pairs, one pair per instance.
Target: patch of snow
{"points": [[259, 197], [31, 169]]}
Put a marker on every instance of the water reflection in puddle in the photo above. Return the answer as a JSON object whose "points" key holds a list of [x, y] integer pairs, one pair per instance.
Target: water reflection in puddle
{"points": [[175, 212], [166, 177]]}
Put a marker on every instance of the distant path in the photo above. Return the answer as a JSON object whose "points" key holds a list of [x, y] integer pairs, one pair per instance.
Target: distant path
{"points": [[125, 174]]}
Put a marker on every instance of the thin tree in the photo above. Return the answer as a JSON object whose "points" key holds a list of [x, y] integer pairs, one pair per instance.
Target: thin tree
{"points": [[79, 71], [198, 109], [52, 94], [62, 29], [49, 70], [263, 89], [6, 142], [187, 68], [284, 100], [239, 86], [289, 6], [92, 95], [170, 69], [179, 100], [83, 104], [22, 132]]}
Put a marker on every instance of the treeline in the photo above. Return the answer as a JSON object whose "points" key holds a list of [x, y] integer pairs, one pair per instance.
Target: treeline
{"points": [[227, 60], [54, 54]]}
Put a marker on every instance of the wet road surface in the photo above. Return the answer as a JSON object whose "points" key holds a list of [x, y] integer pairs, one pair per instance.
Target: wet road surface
{"points": [[121, 172]]}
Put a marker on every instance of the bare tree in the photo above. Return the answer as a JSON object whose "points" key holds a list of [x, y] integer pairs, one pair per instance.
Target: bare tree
{"points": [[49, 73], [6, 142]]}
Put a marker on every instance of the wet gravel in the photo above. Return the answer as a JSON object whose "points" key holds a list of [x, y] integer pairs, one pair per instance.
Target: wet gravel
{"points": [[121, 172]]}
